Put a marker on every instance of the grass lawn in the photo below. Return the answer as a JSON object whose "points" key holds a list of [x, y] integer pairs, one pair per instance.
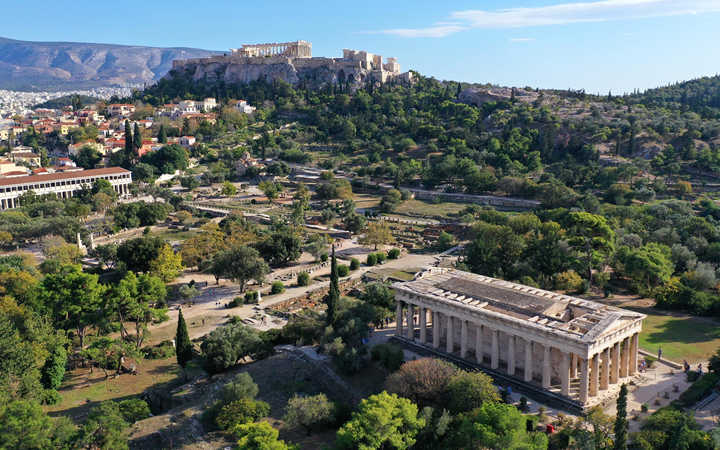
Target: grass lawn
{"points": [[82, 390], [175, 235], [430, 209], [681, 337]]}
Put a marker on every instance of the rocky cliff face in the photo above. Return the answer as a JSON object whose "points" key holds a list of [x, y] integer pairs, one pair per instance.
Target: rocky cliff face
{"points": [[26, 65], [314, 72]]}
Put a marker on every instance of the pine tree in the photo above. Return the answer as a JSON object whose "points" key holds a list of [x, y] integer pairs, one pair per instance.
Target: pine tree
{"points": [[621, 425], [333, 296], [162, 136], [128, 144], [183, 346]]}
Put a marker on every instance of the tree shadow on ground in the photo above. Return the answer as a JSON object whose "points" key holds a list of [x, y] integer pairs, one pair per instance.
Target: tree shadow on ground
{"points": [[686, 331]]}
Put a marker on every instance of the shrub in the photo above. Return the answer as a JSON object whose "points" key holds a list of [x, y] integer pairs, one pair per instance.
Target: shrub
{"points": [[242, 411], [303, 279], [371, 259], [134, 409], [324, 257], [644, 407], [309, 412], [237, 301], [393, 253], [226, 346], [251, 298], [343, 270], [53, 371], [381, 257], [354, 264], [163, 350], [569, 281], [389, 356], [50, 397], [469, 390], [699, 389], [424, 381], [277, 288], [523, 406]]}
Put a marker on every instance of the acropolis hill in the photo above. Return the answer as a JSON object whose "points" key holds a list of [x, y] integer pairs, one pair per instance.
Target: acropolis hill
{"points": [[291, 62]]}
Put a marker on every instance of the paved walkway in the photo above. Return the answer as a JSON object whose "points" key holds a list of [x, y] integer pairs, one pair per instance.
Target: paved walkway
{"points": [[209, 311]]}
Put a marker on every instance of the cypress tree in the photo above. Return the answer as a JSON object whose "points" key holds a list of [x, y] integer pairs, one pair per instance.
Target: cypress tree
{"points": [[137, 138], [333, 296], [183, 346], [621, 425], [128, 143], [162, 136]]}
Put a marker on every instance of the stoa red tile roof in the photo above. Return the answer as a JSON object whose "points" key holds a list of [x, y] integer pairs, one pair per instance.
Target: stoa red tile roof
{"points": [[64, 176]]}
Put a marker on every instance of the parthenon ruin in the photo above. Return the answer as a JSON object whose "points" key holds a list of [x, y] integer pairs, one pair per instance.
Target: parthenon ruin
{"points": [[573, 348], [292, 62], [297, 49]]}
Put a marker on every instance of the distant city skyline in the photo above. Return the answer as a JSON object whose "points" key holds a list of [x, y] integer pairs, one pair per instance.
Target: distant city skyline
{"points": [[599, 46]]}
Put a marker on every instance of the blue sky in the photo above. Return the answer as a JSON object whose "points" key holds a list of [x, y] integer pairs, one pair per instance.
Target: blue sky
{"points": [[598, 45]]}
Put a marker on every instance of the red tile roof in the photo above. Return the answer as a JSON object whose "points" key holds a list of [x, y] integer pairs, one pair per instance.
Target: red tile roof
{"points": [[64, 176]]}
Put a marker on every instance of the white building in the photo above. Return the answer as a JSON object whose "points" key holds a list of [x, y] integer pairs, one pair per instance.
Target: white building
{"points": [[244, 108], [208, 104], [63, 184]]}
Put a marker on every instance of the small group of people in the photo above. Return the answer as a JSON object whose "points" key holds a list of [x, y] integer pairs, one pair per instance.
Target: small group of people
{"points": [[686, 367]]}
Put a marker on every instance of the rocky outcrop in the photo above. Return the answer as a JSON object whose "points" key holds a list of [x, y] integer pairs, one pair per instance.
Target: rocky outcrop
{"points": [[477, 96], [314, 72]]}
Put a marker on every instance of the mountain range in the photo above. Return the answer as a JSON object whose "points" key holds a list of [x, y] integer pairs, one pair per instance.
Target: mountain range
{"points": [[26, 65]]}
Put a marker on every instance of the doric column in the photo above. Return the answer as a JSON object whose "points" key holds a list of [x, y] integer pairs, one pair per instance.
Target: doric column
{"points": [[410, 324], [546, 366], [632, 366], [615, 368], [479, 343], [436, 329], [495, 353], [463, 337], [594, 372], [511, 355], [624, 357], [528, 360], [584, 380], [565, 374], [398, 318], [423, 324], [573, 366], [449, 344], [605, 370]]}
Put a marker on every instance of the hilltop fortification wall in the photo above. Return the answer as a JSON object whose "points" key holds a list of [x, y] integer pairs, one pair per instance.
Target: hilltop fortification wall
{"points": [[355, 68]]}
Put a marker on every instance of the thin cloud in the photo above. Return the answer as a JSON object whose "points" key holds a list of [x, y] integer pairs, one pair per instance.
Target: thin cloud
{"points": [[522, 39], [561, 14]]}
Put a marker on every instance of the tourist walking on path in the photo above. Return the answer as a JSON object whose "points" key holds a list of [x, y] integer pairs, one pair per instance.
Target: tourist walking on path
{"points": [[659, 353]]}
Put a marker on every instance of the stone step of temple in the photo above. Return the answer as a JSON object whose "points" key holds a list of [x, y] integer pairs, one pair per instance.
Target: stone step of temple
{"points": [[537, 393]]}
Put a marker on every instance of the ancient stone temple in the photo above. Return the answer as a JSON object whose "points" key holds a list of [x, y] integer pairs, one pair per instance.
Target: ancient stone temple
{"points": [[572, 348], [293, 63], [297, 49]]}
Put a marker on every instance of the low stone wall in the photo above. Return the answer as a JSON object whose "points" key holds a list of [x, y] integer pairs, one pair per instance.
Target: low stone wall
{"points": [[314, 297]]}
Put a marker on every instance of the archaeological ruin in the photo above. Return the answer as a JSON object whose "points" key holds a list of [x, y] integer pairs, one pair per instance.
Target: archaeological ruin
{"points": [[574, 350], [293, 63]]}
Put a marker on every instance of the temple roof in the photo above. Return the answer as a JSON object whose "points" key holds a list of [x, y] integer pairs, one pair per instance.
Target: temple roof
{"points": [[568, 316]]}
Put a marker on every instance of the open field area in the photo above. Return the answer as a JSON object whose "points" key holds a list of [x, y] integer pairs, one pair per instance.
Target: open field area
{"points": [[82, 390], [681, 337], [431, 209]]}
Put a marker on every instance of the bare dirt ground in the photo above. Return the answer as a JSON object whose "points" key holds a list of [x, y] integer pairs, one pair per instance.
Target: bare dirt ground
{"points": [[208, 310], [181, 426]]}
